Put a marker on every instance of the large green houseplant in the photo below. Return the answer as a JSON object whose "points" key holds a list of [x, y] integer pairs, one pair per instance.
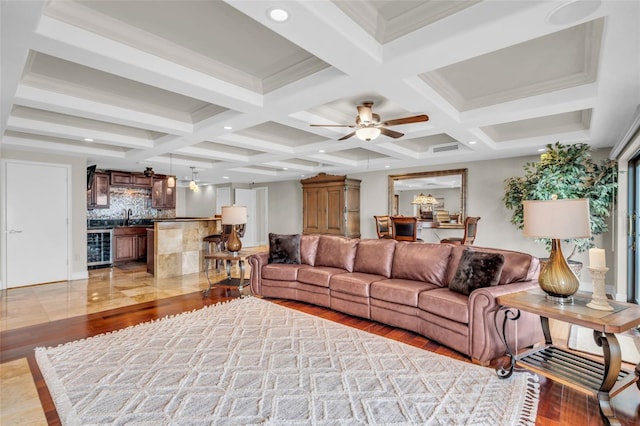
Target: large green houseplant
{"points": [[567, 171]]}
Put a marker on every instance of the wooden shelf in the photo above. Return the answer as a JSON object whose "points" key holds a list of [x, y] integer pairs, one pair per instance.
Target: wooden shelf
{"points": [[570, 368]]}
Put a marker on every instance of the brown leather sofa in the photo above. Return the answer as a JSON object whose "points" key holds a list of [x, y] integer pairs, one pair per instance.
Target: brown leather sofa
{"points": [[404, 284]]}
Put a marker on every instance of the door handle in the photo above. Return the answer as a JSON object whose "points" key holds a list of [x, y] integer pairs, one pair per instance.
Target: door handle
{"points": [[15, 231]]}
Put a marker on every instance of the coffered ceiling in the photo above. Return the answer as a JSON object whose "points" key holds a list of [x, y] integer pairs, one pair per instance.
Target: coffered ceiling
{"points": [[221, 87]]}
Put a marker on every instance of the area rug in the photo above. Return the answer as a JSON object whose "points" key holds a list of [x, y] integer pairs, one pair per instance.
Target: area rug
{"points": [[250, 361]]}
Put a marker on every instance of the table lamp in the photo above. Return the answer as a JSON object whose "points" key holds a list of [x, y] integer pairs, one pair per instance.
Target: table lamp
{"points": [[557, 220], [234, 216]]}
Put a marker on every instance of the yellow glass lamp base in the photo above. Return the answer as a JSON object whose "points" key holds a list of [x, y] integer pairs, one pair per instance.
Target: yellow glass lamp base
{"points": [[556, 278]]}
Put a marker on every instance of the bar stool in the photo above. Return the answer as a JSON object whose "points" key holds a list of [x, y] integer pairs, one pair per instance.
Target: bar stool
{"points": [[212, 243]]}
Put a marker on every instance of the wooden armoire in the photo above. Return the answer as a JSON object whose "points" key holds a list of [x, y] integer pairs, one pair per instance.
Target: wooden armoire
{"points": [[331, 205]]}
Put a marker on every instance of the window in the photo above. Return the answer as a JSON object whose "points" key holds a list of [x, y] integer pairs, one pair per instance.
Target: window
{"points": [[633, 242]]}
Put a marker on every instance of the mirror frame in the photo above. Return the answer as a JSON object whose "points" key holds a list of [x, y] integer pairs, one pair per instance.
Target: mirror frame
{"points": [[463, 186]]}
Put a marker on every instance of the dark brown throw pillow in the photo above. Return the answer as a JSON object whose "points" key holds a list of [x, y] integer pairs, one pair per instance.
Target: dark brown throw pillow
{"points": [[477, 269], [284, 248]]}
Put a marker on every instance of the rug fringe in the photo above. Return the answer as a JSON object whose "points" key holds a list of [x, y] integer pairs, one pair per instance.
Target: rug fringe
{"points": [[532, 396], [167, 317]]}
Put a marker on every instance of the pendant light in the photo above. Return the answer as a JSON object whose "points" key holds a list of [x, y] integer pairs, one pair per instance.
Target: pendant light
{"points": [[193, 185], [171, 180]]}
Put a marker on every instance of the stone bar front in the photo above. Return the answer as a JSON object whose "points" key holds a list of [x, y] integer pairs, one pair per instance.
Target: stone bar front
{"points": [[177, 246]]}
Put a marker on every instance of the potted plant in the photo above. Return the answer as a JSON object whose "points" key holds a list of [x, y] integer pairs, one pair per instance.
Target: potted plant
{"points": [[567, 171]]}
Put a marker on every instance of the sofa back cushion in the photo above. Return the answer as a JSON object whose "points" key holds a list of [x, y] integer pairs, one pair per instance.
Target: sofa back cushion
{"points": [[337, 252], [308, 249], [421, 262], [517, 266], [375, 256]]}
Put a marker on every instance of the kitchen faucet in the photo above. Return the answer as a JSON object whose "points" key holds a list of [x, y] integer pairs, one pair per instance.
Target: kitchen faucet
{"points": [[127, 215]]}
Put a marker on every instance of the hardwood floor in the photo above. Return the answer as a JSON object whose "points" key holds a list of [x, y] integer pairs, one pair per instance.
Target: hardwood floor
{"points": [[559, 405]]}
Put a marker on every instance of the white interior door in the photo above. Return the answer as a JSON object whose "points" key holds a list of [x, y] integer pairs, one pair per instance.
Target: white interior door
{"points": [[36, 223], [223, 198], [247, 197]]}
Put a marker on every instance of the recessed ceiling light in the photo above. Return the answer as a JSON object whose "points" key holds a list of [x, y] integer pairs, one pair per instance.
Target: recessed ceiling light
{"points": [[278, 14], [227, 127], [285, 168], [572, 11], [321, 150], [472, 142], [225, 177], [542, 149], [387, 166], [88, 139]]}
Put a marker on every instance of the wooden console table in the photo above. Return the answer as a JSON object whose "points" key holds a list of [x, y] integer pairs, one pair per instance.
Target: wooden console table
{"points": [[228, 258], [601, 379]]}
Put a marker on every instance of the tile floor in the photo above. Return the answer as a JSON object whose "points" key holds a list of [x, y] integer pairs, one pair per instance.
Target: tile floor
{"points": [[105, 288]]}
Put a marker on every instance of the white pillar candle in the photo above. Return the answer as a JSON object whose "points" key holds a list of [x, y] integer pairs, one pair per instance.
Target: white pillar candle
{"points": [[596, 258]]}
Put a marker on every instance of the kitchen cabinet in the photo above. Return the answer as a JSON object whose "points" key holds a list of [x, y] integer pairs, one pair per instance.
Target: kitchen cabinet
{"points": [[162, 196], [331, 205], [98, 194], [131, 180], [130, 243]]}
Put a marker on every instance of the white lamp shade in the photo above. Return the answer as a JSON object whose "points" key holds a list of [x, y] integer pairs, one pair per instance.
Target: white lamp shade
{"points": [[234, 215], [561, 219], [368, 133]]}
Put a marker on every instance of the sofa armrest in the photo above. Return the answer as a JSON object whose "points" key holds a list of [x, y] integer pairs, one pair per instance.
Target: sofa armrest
{"points": [[485, 343], [257, 261]]}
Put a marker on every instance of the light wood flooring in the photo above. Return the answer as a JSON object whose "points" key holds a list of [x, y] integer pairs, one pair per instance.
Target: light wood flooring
{"points": [[114, 298]]}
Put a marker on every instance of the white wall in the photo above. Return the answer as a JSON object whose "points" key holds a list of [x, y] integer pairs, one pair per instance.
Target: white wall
{"points": [[199, 204]]}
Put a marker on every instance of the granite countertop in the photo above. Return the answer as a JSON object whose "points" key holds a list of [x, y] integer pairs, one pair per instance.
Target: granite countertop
{"points": [[113, 223], [186, 219]]}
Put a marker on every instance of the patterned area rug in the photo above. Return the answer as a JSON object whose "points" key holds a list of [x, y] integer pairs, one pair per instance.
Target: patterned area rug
{"points": [[251, 361]]}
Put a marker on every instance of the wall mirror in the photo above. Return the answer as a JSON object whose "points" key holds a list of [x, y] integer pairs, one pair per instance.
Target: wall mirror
{"points": [[447, 187]]}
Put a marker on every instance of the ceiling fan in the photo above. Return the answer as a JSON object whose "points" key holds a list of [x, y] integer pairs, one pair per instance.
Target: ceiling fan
{"points": [[368, 125]]}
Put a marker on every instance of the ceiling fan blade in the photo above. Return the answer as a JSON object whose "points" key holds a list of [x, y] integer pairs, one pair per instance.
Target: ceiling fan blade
{"points": [[347, 136], [391, 133], [406, 120], [332, 125]]}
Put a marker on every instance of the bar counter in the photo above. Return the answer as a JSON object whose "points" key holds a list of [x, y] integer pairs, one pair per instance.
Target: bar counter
{"points": [[175, 248]]}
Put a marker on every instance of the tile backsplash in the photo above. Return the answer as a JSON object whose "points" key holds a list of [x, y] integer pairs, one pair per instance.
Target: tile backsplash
{"points": [[136, 199]]}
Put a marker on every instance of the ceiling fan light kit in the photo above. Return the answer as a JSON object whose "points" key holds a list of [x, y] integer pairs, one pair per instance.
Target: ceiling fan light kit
{"points": [[368, 133], [368, 125]]}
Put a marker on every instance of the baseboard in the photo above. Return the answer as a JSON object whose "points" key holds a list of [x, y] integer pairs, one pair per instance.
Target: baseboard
{"points": [[79, 275]]}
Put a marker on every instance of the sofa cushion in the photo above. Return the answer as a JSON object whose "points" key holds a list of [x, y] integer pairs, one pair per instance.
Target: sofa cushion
{"points": [[281, 272], [356, 283], [318, 275], [284, 248], [309, 248], [444, 303], [476, 269], [336, 252], [375, 256], [399, 291], [421, 262], [517, 266]]}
